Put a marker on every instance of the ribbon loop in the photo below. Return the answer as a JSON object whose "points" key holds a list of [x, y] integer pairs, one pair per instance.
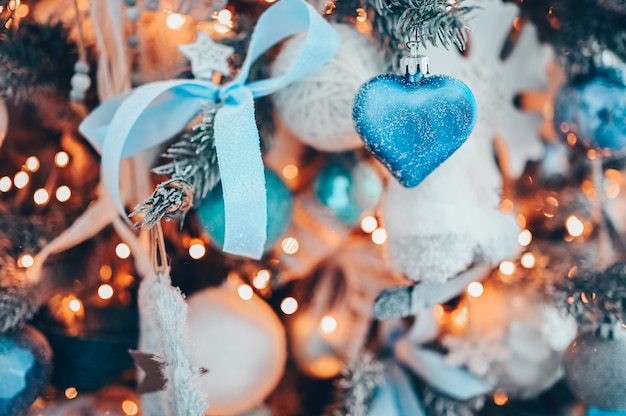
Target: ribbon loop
{"points": [[153, 113]]}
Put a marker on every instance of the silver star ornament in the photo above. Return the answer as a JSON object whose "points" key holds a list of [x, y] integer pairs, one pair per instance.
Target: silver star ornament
{"points": [[207, 56]]}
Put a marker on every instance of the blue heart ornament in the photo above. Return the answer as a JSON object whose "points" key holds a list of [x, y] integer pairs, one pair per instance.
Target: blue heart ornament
{"points": [[413, 127]]}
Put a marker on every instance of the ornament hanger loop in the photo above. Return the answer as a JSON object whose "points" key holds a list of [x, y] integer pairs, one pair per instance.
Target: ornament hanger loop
{"points": [[159, 255]]}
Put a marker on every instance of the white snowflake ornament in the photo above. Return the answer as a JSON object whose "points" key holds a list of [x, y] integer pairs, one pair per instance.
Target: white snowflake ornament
{"points": [[496, 82]]}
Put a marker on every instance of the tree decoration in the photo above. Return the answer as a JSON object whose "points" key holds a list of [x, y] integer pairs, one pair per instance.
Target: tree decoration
{"points": [[194, 157]]}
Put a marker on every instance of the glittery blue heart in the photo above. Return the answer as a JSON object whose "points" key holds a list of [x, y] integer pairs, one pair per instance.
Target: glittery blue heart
{"points": [[413, 127]]}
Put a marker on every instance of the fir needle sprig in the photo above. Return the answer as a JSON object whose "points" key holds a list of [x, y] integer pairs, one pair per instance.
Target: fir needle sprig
{"points": [[171, 199], [194, 157]]}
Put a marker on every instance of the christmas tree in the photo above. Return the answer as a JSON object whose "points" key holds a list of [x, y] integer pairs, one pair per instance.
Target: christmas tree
{"points": [[282, 207]]}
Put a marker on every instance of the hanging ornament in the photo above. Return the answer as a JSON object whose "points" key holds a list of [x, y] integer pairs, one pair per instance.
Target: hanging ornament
{"points": [[25, 365], [594, 109], [412, 124], [348, 188], [241, 343], [318, 108], [595, 367], [4, 121], [279, 211]]}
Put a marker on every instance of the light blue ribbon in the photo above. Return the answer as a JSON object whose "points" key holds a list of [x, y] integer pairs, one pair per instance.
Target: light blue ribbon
{"points": [[155, 112]]}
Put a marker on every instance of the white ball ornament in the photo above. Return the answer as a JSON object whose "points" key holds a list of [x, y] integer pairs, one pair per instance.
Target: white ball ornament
{"points": [[242, 344], [318, 108]]}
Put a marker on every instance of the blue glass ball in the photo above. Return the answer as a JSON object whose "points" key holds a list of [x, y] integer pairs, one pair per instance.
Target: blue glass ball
{"points": [[348, 188], [594, 108], [279, 211], [25, 366], [413, 127]]}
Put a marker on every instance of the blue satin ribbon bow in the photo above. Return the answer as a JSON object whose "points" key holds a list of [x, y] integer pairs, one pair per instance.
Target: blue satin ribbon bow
{"points": [[155, 112]]}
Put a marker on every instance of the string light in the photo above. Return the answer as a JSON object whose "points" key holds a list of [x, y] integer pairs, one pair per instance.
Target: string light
{"points": [[71, 393], [197, 250], [500, 397], [290, 172], [575, 227], [130, 407], [75, 305], [262, 279], [361, 15], [175, 21], [524, 238], [245, 292], [25, 261], [507, 268], [290, 245], [63, 193], [224, 21], [289, 305], [32, 163], [106, 272], [21, 179], [5, 184], [122, 251], [61, 159], [328, 324], [475, 289], [41, 196], [379, 236], [460, 317], [528, 260], [369, 224], [506, 206], [105, 291]]}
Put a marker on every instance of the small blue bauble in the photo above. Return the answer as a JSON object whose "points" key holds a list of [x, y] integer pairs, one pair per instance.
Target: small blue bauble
{"points": [[413, 127], [348, 188], [594, 108], [25, 364], [279, 211]]}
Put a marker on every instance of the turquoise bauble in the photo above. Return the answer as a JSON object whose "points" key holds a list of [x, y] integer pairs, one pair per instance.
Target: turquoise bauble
{"points": [[348, 188], [25, 365], [279, 211]]}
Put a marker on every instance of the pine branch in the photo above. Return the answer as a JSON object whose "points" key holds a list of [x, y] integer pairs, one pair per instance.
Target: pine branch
{"points": [[194, 157], [438, 22], [171, 199]]}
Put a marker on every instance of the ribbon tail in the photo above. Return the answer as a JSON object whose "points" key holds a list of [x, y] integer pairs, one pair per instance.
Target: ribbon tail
{"points": [[243, 179]]}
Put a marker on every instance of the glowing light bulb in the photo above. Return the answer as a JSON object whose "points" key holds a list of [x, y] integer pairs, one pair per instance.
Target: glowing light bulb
{"points": [[175, 21], [105, 291], [507, 268], [21, 179], [262, 279], [290, 245], [71, 393], [61, 159], [5, 184], [475, 289], [75, 305], [225, 17], [500, 397], [106, 272], [328, 324], [524, 238], [197, 250], [290, 172], [32, 163], [63, 193], [575, 227], [245, 292], [379, 236], [369, 224], [528, 260], [122, 251], [25, 261], [289, 305], [41, 196], [130, 407]]}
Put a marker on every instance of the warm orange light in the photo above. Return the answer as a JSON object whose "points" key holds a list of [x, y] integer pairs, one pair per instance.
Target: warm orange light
{"points": [[61, 159], [506, 206], [369, 224], [575, 227], [75, 305], [460, 317], [328, 324], [106, 272], [71, 393], [245, 292], [528, 260], [290, 245], [63, 193], [105, 291], [25, 261], [438, 312], [21, 179], [361, 15], [130, 408], [22, 11], [41, 196], [524, 238], [175, 21], [32, 163], [197, 250], [379, 236], [507, 268], [262, 279], [290, 172], [289, 305], [5, 184], [122, 251], [500, 397], [475, 289]]}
